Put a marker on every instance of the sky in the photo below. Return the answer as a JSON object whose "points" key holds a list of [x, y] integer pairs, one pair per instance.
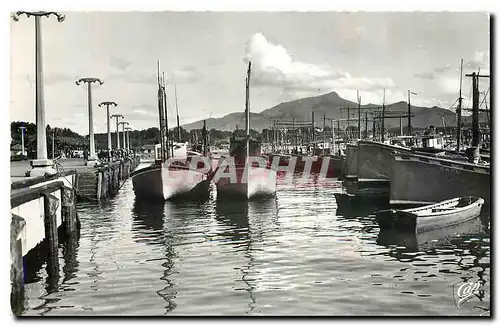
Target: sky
{"points": [[205, 54]]}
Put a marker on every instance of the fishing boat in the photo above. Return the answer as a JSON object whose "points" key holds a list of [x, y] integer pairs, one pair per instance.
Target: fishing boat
{"points": [[425, 218], [172, 176], [411, 242], [250, 174], [422, 179]]}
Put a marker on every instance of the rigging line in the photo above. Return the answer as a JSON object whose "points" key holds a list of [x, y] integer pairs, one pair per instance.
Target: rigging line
{"points": [[485, 95]]}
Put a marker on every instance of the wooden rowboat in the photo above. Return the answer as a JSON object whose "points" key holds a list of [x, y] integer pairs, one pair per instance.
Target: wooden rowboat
{"points": [[425, 218]]}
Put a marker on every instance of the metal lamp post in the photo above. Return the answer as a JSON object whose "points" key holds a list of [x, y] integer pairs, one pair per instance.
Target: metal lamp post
{"points": [[117, 116], [53, 140], [22, 139], [42, 165], [107, 104], [123, 123], [89, 80], [128, 129]]}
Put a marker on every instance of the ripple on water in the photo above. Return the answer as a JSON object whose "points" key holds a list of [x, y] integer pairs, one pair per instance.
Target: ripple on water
{"points": [[286, 256]]}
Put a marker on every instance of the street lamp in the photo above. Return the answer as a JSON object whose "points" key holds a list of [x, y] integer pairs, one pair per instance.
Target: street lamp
{"points": [[117, 116], [107, 104], [42, 165], [123, 123], [92, 157], [409, 111], [128, 129], [53, 136], [22, 139]]}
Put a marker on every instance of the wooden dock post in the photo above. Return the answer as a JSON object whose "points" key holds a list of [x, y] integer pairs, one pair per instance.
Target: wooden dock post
{"points": [[68, 210], [17, 224], [99, 184], [105, 189], [110, 181], [51, 204]]}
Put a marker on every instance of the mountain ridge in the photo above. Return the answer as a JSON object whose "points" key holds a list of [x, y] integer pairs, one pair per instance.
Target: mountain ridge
{"points": [[333, 106]]}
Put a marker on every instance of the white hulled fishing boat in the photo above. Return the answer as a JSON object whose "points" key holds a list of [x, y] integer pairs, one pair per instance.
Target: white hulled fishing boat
{"points": [[245, 173], [173, 175]]}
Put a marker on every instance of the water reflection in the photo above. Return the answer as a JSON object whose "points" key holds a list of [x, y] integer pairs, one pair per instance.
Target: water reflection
{"points": [[435, 239], [464, 247], [149, 228], [243, 224], [356, 206]]}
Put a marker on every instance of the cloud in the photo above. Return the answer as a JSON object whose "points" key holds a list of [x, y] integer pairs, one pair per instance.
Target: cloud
{"points": [[119, 63], [184, 75], [479, 61], [48, 78], [134, 78], [426, 75], [146, 113], [433, 74], [443, 69], [272, 65]]}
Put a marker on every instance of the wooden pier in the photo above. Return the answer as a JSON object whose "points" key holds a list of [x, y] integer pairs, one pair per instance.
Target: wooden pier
{"points": [[43, 209]]}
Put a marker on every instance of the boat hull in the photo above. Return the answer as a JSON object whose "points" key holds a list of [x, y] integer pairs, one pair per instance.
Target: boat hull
{"points": [[421, 180], [168, 183], [147, 183], [431, 217], [260, 182], [375, 159], [331, 166], [350, 169]]}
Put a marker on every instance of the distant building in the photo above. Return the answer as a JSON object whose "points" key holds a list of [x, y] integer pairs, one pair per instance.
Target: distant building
{"points": [[15, 150], [147, 149]]}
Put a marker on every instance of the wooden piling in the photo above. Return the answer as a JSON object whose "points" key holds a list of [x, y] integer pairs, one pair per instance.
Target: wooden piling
{"points": [[51, 203], [68, 210], [17, 224], [105, 189], [110, 181], [99, 185]]}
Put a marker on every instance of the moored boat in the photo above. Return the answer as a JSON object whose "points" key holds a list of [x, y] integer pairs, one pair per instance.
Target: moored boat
{"points": [[419, 179], [350, 169], [165, 181], [234, 178], [375, 160], [170, 177], [430, 217], [246, 178]]}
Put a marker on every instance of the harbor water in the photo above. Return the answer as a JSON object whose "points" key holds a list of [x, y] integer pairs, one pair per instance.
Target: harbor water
{"points": [[296, 254]]}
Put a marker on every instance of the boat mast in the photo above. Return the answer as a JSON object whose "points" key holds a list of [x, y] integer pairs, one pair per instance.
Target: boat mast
{"points": [[324, 134], [247, 111], [459, 109], [313, 135], [383, 118], [205, 138], [164, 91], [359, 114], [160, 115], [332, 150], [177, 109]]}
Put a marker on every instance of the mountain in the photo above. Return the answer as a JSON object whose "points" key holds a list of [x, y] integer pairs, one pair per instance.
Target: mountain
{"points": [[329, 104], [258, 121]]}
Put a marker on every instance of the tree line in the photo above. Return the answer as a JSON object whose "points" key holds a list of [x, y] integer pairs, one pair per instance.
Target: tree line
{"points": [[65, 140]]}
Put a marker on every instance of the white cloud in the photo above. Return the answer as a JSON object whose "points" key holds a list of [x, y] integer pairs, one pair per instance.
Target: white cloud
{"points": [[184, 75], [480, 60], [145, 113], [272, 65]]}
